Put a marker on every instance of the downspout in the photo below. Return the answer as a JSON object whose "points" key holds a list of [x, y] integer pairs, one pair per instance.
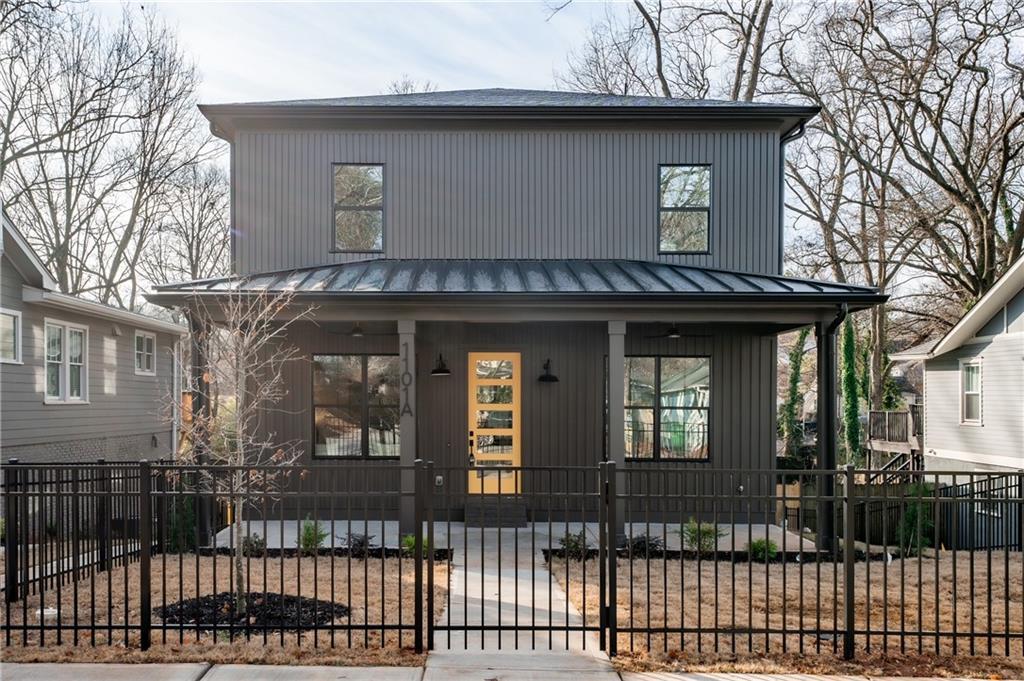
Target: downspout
{"points": [[827, 422], [791, 135]]}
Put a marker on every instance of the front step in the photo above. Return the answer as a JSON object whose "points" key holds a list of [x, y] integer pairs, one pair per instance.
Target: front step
{"points": [[495, 511]]}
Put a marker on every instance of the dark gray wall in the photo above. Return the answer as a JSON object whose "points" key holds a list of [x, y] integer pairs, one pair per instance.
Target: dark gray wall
{"points": [[511, 193], [563, 423], [124, 410]]}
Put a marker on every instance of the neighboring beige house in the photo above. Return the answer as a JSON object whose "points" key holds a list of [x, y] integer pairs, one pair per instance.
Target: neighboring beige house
{"points": [[974, 384], [79, 381]]}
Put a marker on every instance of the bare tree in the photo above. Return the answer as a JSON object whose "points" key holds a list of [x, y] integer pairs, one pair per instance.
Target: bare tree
{"points": [[407, 85], [191, 238], [247, 341], [682, 49], [100, 119]]}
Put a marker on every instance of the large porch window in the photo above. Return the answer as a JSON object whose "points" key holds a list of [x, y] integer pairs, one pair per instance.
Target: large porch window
{"points": [[667, 408], [355, 406]]}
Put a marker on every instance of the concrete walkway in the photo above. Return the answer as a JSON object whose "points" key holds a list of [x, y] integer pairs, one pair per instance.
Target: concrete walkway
{"points": [[514, 667]]}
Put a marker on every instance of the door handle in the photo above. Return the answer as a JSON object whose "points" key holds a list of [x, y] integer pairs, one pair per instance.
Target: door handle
{"points": [[472, 459]]}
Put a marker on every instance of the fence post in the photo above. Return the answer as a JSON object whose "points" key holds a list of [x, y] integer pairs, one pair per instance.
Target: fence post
{"points": [[145, 550], [602, 555], [418, 494], [848, 564], [103, 516], [11, 533], [611, 526], [428, 488], [1020, 510]]}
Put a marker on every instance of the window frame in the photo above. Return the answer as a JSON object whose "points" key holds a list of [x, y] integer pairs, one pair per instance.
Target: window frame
{"points": [[962, 396], [383, 214], [65, 397], [364, 437], [656, 457], [659, 209], [18, 336], [139, 333]]}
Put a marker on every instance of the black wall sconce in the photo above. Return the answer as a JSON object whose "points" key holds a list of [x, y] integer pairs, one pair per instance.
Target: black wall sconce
{"points": [[440, 369], [547, 376]]}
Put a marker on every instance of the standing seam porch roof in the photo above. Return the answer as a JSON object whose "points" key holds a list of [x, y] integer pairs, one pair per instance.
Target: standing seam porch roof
{"points": [[598, 279]]}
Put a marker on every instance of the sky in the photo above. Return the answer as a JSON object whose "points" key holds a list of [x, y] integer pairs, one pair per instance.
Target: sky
{"points": [[258, 50]]}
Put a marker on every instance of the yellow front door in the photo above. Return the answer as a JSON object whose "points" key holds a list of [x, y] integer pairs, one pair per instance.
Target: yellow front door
{"points": [[494, 422]]}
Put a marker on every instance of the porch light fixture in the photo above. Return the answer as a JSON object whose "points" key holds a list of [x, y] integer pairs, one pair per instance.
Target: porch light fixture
{"points": [[440, 369], [547, 376], [673, 332], [357, 331]]}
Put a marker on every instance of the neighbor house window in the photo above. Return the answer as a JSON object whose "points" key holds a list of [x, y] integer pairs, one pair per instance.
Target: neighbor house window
{"points": [[668, 402], [67, 351], [359, 207], [684, 208], [970, 392], [355, 406], [145, 353], [10, 336]]}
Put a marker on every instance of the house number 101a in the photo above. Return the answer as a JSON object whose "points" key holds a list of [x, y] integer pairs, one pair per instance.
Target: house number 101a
{"points": [[406, 379]]}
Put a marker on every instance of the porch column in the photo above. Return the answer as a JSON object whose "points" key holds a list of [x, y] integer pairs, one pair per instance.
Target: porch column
{"points": [[199, 334], [407, 422], [825, 334], [616, 392]]}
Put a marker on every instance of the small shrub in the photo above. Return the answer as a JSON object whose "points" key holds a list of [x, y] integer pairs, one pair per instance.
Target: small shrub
{"points": [[3, 530], [762, 550], [181, 525], [51, 529], [409, 545], [358, 544], [312, 537], [643, 545], [574, 546], [701, 537], [254, 546]]}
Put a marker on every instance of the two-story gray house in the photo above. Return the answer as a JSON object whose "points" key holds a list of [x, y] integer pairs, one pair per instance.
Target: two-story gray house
{"points": [[510, 277], [974, 384], [79, 381]]}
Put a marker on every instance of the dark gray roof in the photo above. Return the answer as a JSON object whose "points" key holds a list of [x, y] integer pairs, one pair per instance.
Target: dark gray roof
{"points": [[507, 97], [591, 279]]}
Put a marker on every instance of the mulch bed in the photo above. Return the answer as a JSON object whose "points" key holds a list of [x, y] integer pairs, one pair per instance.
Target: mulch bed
{"points": [[264, 611]]}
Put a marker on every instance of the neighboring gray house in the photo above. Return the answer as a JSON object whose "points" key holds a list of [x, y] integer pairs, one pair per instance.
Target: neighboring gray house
{"points": [[465, 249], [79, 380], [974, 384]]}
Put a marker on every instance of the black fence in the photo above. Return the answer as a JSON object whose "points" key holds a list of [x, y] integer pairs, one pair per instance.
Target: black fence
{"points": [[648, 560]]}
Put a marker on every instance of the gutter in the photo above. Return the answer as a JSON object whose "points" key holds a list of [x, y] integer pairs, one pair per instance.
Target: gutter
{"points": [[839, 318], [63, 301]]}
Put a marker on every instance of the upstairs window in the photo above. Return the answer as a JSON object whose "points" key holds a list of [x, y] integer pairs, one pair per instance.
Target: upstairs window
{"points": [[684, 208], [668, 408], [970, 393], [359, 208], [145, 353], [67, 351], [10, 336]]}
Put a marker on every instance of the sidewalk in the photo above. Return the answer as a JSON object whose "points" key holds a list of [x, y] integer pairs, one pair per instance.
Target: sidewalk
{"points": [[476, 667]]}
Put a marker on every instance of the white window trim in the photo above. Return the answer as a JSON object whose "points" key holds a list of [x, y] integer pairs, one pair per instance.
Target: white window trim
{"points": [[143, 334], [19, 336], [65, 363], [972, 361]]}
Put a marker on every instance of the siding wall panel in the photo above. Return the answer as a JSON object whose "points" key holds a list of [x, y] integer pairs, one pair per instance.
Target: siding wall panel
{"points": [[515, 193]]}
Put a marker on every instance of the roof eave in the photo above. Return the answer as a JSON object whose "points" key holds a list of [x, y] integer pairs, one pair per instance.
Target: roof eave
{"points": [[223, 117]]}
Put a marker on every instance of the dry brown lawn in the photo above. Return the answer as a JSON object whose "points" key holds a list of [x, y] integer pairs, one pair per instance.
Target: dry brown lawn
{"points": [[744, 603], [377, 591]]}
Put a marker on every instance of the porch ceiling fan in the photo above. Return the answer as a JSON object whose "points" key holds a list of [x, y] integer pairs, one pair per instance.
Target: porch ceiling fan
{"points": [[671, 332]]}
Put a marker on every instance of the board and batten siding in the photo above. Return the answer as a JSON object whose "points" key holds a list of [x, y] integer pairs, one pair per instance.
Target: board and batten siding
{"points": [[563, 423], [120, 403], [1001, 433], [504, 193]]}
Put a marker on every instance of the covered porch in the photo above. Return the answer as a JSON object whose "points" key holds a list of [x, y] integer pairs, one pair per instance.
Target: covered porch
{"points": [[613, 334]]}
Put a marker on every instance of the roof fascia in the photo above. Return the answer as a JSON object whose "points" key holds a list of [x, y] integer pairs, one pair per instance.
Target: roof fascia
{"points": [[28, 255], [63, 301], [994, 300]]}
